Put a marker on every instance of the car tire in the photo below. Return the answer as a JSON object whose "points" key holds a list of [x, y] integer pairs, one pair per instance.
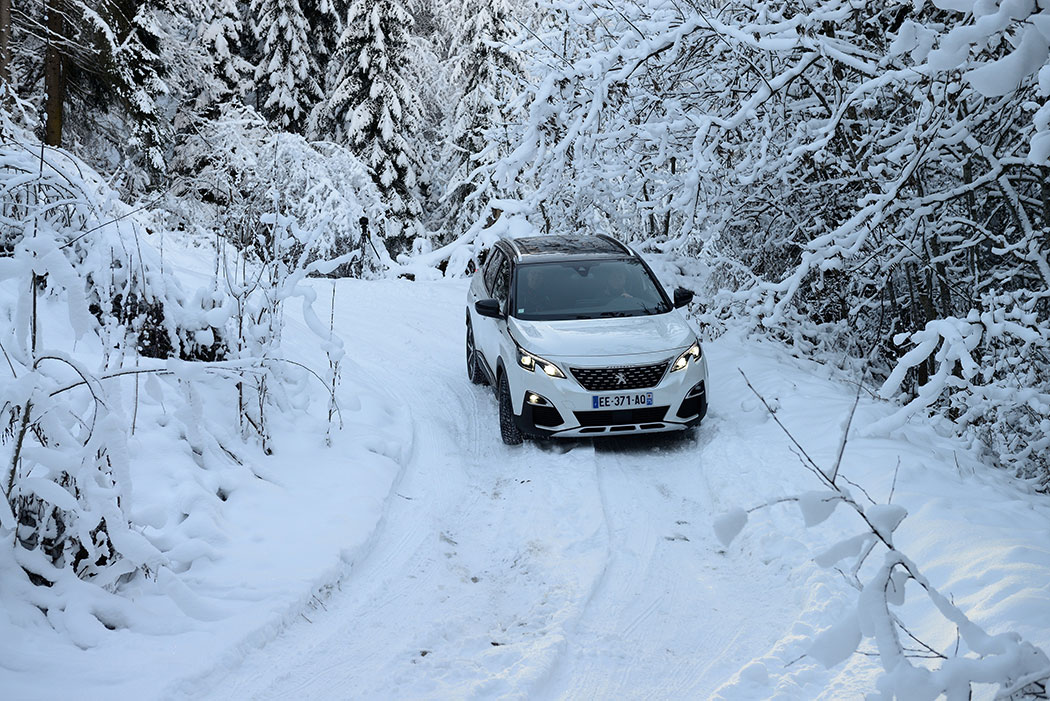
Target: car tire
{"points": [[474, 372], [508, 430]]}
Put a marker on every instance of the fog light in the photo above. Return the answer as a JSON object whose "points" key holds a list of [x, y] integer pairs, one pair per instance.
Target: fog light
{"points": [[533, 398], [696, 391]]}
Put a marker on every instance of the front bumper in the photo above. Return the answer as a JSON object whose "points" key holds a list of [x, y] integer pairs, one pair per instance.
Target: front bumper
{"points": [[679, 401]]}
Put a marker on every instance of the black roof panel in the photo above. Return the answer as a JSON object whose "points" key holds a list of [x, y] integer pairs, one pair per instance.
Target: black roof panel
{"points": [[568, 245]]}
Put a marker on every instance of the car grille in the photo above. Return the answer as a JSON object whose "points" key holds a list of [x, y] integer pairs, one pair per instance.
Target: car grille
{"points": [[628, 377], [616, 417]]}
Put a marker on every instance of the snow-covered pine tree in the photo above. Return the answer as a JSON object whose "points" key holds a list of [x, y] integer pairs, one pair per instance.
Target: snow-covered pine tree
{"points": [[100, 54], [286, 76], [487, 71], [325, 19], [139, 70], [222, 35], [371, 108], [429, 44]]}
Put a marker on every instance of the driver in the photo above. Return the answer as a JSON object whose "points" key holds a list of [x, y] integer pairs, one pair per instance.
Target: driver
{"points": [[616, 283]]}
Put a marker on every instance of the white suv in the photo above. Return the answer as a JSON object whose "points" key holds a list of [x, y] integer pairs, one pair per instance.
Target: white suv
{"points": [[578, 338]]}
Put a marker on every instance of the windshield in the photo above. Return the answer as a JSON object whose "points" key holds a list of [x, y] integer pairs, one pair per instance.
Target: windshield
{"points": [[589, 289]]}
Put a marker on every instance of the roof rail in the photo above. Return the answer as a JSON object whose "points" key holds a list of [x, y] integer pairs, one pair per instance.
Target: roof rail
{"points": [[619, 243], [515, 249]]}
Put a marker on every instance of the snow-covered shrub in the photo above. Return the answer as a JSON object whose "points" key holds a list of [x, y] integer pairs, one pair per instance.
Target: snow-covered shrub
{"points": [[1014, 667], [238, 169], [96, 327], [65, 487], [462, 256], [991, 375]]}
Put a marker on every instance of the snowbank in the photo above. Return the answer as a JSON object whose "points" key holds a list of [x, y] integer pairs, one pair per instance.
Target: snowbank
{"points": [[236, 542]]}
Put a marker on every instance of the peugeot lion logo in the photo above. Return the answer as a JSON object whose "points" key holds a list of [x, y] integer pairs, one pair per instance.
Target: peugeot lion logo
{"points": [[621, 378]]}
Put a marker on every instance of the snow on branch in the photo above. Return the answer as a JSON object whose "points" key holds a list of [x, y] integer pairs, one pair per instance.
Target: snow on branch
{"points": [[1014, 667], [837, 175], [97, 327]]}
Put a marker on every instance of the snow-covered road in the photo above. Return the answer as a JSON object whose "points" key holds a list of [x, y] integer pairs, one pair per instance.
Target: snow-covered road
{"points": [[549, 570], [591, 570], [419, 557]]}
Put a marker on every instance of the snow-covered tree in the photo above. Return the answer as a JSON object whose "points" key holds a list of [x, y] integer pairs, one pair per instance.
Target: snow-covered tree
{"points": [[98, 56], [139, 71], [287, 79], [851, 176], [222, 33], [371, 108], [488, 73], [325, 18]]}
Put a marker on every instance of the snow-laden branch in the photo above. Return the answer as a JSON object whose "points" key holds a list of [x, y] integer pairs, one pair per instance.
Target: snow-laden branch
{"points": [[840, 174], [1015, 668]]}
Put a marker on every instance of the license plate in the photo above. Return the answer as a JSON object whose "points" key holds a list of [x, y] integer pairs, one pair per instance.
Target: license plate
{"points": [[615, 401]]}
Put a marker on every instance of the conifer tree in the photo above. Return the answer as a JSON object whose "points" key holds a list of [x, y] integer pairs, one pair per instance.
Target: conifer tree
{"points": [[139, 73], [372, 109], [109, 53], [286, 76], [486, 71], [222, 35], [325, 18]]}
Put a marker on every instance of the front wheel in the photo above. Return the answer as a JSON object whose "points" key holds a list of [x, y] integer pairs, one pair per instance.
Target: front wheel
{"points": [[508, 430]]}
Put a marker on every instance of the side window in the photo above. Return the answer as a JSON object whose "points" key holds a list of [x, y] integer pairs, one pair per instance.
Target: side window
{"points": [[494, 260], [502, 283]]}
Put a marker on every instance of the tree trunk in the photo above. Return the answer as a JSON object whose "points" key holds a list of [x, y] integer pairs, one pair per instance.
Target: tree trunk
{"points": [[1044, 192], [939, 275], [667, 215], [971, 209], [921, 314], [5, 45], [652, 217], [54, 73]]}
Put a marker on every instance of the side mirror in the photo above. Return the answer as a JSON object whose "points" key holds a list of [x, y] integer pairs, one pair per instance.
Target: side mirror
{"points": [[682, 297], [488, 307]]}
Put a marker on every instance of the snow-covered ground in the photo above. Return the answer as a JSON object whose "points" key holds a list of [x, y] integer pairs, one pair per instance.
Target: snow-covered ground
{"points": [[420, 557]]}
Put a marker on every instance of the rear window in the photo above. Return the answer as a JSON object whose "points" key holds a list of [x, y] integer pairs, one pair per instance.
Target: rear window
{"points": [[492, 267], [586, 290]]}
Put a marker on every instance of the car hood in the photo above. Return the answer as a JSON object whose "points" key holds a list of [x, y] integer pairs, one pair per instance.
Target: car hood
{"points": [[583, 338]]}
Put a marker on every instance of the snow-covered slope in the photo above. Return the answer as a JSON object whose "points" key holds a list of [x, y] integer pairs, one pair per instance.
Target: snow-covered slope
{"points": [[249, 542]]}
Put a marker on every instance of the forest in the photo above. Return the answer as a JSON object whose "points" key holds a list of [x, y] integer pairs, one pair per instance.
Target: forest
{"points": [[865, 183]]}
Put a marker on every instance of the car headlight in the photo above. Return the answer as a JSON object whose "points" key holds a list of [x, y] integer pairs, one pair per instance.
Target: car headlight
{"points": [[530, 362], [682, 361]]}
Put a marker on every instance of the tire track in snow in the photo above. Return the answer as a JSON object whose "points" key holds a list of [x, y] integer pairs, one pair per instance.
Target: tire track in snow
{"points": [[550, 570], [667, 620], [278, 669], [559, 664], [467, 590], [613, 586]]}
